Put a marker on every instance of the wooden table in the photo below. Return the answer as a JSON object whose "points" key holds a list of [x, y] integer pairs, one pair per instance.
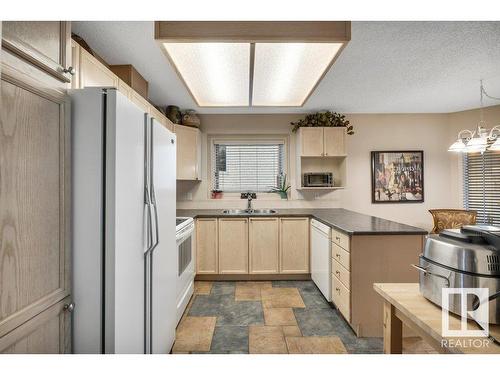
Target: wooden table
{"points": [[403, 303]]}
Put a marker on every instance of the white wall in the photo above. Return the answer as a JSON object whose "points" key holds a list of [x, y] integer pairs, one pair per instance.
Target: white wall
{"points": [[432, 133]]}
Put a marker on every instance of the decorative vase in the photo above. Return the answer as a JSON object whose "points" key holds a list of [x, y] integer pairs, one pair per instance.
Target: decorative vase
{"points": [[174, 114], [283, 194], [190, 118]]}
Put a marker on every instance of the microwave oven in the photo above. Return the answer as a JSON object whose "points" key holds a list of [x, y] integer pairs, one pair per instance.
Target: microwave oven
{"points": [[320, 179]]}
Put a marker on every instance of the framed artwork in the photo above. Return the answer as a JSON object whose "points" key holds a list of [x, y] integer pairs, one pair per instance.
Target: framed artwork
{"points": [[397, 176]]}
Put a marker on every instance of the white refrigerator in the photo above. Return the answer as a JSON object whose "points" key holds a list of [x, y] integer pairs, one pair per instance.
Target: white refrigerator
{"points": [[123, 226]]}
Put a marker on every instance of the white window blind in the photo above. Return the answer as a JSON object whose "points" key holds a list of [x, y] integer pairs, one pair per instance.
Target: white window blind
{"points": [[482, 186], [247, 166]]}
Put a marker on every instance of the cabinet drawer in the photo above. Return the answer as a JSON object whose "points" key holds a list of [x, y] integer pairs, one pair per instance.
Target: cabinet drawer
{"points": [[341, 297], [341, 256], [341, 273], [340, 239]]}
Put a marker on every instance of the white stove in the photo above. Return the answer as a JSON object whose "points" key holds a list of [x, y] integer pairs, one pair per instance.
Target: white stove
{"points": [[184, 229]]}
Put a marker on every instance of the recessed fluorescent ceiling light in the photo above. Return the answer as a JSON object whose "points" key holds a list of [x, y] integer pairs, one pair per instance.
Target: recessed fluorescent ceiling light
{"points": [[216, 74], [286, 73]]}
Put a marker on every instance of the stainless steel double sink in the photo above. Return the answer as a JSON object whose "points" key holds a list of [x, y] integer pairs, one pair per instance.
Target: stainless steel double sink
{"points": [[249, 212]]}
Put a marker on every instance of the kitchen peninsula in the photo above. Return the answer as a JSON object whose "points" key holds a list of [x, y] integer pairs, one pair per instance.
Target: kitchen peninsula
{"points": [[354, 251]]}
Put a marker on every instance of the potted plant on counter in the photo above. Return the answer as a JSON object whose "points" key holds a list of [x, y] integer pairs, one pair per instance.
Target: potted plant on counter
{"points": [[282, 188]]}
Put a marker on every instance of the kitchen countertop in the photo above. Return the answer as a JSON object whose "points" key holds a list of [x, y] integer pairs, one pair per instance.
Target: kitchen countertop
{"points": [[350, 222]]}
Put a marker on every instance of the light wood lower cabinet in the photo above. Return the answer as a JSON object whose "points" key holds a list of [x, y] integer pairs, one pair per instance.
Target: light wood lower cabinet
{"points": [[255, 246], [294, 245], [46, 333], [233, 246], [206, 246], [263, 245], [341, 297]]}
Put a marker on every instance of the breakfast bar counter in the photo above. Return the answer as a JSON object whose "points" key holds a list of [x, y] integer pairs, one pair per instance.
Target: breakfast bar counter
{"points": [[403, 304]]}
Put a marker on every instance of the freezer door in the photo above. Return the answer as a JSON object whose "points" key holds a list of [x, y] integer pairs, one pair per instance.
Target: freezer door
{"points": [[124, 223], [164, 256]]}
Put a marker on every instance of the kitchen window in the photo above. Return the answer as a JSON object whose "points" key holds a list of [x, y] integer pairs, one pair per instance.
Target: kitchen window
{"points": [[254, 165], [482, 185]]}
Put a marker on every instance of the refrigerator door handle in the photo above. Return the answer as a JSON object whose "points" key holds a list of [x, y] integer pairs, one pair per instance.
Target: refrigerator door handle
{"points": [[149, 222], [157, 223], [151, 179]]}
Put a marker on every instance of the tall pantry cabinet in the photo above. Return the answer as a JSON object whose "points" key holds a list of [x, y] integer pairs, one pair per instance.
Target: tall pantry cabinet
{"points": [[35, 290]]}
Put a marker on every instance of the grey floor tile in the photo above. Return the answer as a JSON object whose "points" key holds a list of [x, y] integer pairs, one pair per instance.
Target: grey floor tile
{"points": [[321, 322], [242, 313], [230, 339], [223, 288], [306, 286], [315, 301], [210, 305], [371, 345]]}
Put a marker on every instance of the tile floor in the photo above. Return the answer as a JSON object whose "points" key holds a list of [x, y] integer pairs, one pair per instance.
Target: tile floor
{"points": [[267, 317]]}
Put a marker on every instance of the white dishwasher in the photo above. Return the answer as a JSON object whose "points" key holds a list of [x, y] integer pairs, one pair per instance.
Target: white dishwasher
{"points": [[320, 257]]}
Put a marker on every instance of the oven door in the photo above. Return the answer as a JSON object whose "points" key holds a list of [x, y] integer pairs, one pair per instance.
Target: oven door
{"points": [[185, 270]]}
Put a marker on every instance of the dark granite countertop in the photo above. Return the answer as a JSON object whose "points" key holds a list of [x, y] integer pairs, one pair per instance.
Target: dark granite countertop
{"points": [[350, 222]]}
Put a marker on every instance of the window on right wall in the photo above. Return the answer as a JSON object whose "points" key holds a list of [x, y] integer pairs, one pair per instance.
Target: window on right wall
{"points": [[482, 186]]}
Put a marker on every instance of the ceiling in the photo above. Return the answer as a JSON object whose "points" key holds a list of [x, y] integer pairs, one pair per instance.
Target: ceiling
{"points": [[388, 67]]}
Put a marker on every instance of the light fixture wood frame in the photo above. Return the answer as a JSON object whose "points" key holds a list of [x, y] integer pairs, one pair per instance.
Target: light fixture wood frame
{"points": [[253, 32]]}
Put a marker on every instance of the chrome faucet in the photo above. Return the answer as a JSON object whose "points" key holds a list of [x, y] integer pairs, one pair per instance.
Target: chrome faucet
{"points": [[249, 204]]}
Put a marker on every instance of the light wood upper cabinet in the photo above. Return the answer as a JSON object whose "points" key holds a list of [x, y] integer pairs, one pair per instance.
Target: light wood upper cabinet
{"points": [[188, 153], [45, 44], [93, 73], [322, 141], [311, 141], [206, 246], [334, 141], [294, 245], [34, 195], [233, 246], [142, 103], [263, 245]]}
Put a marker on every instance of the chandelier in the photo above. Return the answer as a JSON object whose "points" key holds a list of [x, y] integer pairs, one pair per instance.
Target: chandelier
{"points": [[480, 139]]}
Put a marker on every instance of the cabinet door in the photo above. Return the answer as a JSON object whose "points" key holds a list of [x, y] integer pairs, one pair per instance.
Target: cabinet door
{"points": [[294, 245], [45, 44], [311, 141], [187, 153], [93, 73], [334, 140], [34, 193], [206, 246], [46, 333], [125, 89], [263, 245], [75, 58], [233, 245]]}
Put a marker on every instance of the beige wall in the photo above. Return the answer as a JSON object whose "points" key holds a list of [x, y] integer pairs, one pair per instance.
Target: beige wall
{"points": [[432, 133]]}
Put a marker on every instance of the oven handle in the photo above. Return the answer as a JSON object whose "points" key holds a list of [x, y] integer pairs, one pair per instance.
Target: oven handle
{"points": [[185, 233], [425, 272]]}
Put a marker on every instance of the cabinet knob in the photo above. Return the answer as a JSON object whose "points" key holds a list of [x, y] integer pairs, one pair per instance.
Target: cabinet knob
{"points": [[69, 70], [337, 289], [337, 238], [326, 153], [337, 255], [337, 272], [69, 307]]}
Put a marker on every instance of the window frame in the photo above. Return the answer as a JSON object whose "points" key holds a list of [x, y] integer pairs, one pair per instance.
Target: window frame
{"points": [[466, 182], [246, 139]]}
